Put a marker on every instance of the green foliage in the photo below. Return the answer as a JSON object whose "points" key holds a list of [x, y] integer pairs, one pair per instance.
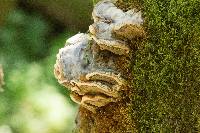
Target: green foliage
{"points": [[167, 68], [95, 1], [24, 36], [32, 100]]}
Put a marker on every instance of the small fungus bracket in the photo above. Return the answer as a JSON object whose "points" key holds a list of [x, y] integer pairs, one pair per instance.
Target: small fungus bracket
{"points": [[112, 27]]}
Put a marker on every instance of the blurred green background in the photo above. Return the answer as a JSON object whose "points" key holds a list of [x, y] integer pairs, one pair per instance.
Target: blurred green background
{"points": [[31, 32]]}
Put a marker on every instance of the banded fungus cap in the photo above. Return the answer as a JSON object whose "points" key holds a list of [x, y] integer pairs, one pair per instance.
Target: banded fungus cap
{"points": [[110, 20], [107, 77], [96, 100], [106, 10], [96, 88], [71, 62], [101, 33], [93, 102]]}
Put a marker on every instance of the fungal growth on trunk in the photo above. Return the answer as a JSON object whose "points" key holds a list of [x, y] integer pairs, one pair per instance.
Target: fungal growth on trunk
{"points": [[112, 26], [95, 67], [1, 78], [94, 80]]}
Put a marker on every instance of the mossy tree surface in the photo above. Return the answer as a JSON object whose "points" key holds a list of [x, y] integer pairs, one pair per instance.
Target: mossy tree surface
{"points": [[167, 68]]}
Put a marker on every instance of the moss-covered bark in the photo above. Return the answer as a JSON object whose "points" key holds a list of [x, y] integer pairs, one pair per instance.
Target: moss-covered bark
{"points": [[166, 84], [166, 69]]}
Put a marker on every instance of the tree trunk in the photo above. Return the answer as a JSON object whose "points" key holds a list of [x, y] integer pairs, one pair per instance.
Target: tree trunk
{"points": [[150, 82]]}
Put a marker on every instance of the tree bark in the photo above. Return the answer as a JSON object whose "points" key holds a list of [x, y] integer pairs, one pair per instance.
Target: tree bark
{"points": [[165, 96]]}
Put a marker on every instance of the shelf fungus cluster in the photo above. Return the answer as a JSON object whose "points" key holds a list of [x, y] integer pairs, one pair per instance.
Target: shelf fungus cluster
{"points": [[89, 63]]}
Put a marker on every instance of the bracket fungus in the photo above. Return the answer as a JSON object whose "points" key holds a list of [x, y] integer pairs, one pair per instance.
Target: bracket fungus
{"points": [[112, 27], [91, 83], [87, 64]]}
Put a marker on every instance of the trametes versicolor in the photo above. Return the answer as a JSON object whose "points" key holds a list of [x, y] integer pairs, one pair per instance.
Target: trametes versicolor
{"points": [[93, 79]]}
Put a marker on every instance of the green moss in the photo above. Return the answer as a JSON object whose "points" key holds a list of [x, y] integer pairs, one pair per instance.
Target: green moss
{"points": [[167, 68]]}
